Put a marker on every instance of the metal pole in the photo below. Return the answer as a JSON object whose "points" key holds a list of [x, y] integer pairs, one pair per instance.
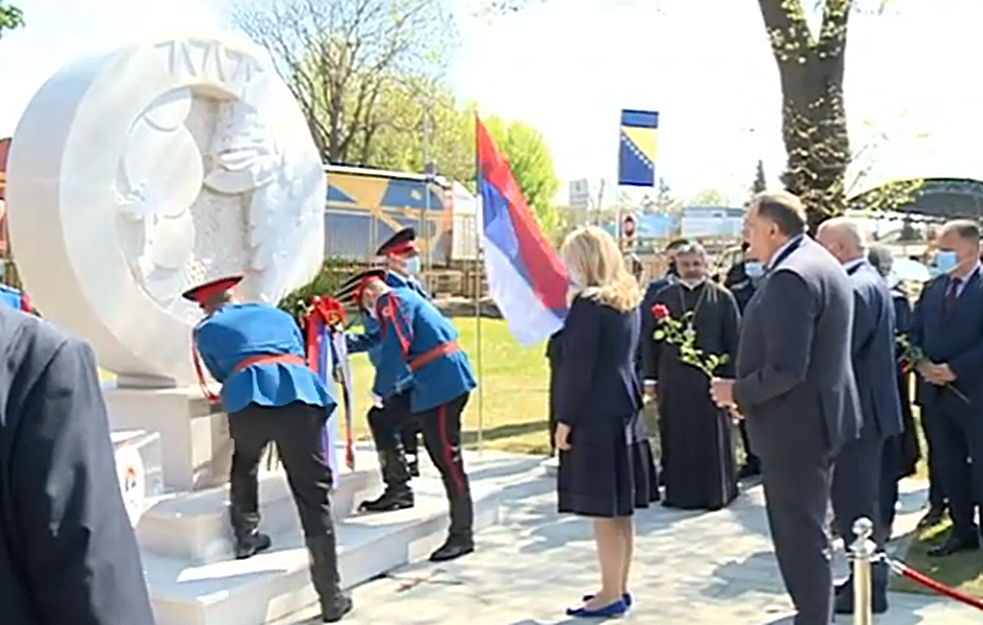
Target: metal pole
{"points": [[863, 550], [426, 191], [479, 266]]}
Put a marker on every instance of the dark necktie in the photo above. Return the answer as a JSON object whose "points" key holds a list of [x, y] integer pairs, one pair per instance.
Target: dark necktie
{"points": [[952, 295]]}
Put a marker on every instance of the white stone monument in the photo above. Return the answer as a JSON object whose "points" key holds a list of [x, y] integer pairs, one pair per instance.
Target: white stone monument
{"points": [[137, 174]]}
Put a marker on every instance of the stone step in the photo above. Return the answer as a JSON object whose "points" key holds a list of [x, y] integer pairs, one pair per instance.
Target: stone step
{"points": [[194, 526], [273, 585], [551, 466], [139, 469]]}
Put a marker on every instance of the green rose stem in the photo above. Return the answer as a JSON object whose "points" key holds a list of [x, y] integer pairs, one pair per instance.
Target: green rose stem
{"points": [[914, 356], [682, 334]]}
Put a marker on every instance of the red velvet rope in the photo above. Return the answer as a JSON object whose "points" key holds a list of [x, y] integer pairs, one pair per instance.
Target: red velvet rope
{"points": [[931, 584]]}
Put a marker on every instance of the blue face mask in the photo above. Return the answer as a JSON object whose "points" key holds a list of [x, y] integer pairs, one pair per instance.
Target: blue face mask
{"points": [[754, 269], [946, 260], [413, 265]]}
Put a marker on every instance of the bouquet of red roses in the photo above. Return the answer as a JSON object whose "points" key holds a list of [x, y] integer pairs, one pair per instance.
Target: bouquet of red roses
{"points": [[682, 334]]}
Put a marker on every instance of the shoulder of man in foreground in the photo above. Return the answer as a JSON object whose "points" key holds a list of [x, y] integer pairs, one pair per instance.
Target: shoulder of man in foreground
{"points": [[73, 540], [30, 341]]}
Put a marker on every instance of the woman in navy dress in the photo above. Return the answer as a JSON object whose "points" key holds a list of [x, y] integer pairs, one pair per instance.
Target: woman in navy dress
{"points": [[606, 469]]}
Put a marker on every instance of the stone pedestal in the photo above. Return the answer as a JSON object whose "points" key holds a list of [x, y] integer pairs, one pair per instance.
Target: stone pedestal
{"points": [[197, 451]]}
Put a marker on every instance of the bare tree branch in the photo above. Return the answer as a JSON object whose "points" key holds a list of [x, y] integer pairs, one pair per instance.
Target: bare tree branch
{"points": [[339, 56]]}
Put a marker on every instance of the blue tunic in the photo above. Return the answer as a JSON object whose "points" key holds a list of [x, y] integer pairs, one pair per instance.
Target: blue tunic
{"points": [[368, 342], [410, 327], [239, 331], [11, 297]]}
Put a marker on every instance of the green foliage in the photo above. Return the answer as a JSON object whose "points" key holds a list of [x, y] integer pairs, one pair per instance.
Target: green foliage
{"points": [[708, 197], [399, 141], [333, 273], [760, 183], [340, 59], [11, 17], [814, 123], [532, 165]]}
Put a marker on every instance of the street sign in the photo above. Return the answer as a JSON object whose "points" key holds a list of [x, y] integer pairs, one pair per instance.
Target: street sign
{"points": [[580, 194], [629, 226]]}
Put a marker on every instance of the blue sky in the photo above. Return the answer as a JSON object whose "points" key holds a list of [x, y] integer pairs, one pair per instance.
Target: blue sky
{"points": [[569, 66]]}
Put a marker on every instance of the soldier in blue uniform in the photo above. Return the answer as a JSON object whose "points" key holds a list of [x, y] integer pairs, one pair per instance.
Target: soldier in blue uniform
{"points": [[414, 334], [394, 433], [256, 352]]}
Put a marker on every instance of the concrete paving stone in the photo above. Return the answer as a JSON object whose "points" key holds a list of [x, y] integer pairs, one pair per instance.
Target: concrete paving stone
{"points": [[690, 568]]}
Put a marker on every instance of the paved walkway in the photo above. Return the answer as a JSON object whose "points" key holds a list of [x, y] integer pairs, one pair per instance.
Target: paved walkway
{"points": [[690, 568]]}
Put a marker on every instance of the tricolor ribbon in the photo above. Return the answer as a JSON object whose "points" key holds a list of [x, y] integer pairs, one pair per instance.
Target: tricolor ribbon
{"points": [[326, 352]]}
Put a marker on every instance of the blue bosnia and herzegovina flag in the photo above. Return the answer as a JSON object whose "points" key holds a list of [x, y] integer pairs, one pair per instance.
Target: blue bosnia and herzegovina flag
{"points": [[638, 142]]}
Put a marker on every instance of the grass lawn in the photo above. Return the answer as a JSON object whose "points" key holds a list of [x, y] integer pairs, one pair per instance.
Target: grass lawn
{"points": [[963, 571], [511, 402]]}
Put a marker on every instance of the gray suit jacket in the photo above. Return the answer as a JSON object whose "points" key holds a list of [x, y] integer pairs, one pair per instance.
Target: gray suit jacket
{"points": [[795, 383], [67, 551]]}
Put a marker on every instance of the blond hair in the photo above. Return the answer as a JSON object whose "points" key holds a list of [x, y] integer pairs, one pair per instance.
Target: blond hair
{"points": [[594, 256]]}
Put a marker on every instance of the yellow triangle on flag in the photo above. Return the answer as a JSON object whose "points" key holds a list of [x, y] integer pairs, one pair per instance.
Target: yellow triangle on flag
{"points": [[645, 139]]}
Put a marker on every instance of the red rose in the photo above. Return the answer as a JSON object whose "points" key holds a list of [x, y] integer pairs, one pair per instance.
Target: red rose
{"points": [[661, 311]]}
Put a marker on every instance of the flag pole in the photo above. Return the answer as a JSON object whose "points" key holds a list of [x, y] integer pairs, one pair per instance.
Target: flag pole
{"points": [[479, 262]]}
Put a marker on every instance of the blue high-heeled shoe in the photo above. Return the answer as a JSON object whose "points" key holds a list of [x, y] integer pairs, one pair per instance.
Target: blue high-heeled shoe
{"points": [[618, 608], [627, 598]]}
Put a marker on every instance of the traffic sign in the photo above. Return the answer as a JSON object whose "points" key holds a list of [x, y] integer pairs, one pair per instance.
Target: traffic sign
{"points": [[629, 226]]}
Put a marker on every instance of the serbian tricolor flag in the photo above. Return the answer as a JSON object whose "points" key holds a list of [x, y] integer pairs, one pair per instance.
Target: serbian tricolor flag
{"points": [[526, 278]]}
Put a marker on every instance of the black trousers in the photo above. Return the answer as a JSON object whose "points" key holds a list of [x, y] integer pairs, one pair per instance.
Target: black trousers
{"points": [[856, 486], [391, 422], [931, 424], [959, 449], [297, 430], [442, 437], [750, 460]]}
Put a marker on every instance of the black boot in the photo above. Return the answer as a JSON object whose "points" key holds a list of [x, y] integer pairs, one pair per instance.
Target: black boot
{"points": [[460, 538], [413, 464], [396, 476], [335, 603], [390, 500], [248, 540]]}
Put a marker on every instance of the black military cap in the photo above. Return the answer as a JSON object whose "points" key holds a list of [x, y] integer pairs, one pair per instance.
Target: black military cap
{"points": [[352, 288], [401, 242]]}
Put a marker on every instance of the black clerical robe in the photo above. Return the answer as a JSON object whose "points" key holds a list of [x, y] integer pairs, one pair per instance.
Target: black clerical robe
{"points": [[699, 472]]}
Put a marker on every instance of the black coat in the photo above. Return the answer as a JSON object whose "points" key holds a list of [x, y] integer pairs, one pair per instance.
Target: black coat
{"points": [[67, 550]]}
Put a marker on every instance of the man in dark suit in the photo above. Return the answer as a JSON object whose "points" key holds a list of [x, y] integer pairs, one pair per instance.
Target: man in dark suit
{"points": [[795, 387], [743, 280], [857, 473], [948, 328], [902, 452], [67, 549]]}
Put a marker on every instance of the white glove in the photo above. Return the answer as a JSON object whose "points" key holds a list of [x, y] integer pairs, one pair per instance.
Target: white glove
{"points": [[376, 401]]}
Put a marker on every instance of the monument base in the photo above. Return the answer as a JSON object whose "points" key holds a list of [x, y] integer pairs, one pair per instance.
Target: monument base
{"points": [[196, 449]]}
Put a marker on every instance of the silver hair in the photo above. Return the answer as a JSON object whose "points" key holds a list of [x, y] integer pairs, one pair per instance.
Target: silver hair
{"points": [[881, 258]]}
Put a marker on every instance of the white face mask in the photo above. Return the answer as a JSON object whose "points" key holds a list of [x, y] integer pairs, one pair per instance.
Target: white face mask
{"points": [[413, 265]]}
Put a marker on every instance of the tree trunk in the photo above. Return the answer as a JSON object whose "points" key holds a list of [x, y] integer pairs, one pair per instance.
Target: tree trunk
{"points": [[814, 127]]}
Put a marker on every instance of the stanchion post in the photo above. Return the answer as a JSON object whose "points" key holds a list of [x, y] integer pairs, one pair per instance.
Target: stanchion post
{"points": [[863, 551]]}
